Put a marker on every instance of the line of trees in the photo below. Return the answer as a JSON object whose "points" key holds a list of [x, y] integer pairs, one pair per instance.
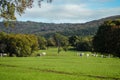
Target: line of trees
{"points": [[24, 44], [81, 43], [63, 42], [57, 40], [106, 41]]}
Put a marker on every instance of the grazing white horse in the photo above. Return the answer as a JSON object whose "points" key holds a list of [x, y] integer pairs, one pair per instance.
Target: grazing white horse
{"points": [[87, 55], [94, 55], [43, 53], [78, 54], [82, 54], [102, 56], [3, 54]]}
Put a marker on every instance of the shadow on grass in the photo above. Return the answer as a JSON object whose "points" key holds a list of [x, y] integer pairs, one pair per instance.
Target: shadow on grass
{"points": [[62, 72]]}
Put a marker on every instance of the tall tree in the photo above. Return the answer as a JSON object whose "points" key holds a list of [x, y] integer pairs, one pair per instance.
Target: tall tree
{"points": [[2, 42], [50, 42], [73, 40], [42, 42], [107, 39], [61, 42]]}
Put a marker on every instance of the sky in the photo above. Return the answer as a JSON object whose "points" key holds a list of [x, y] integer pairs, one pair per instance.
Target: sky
{"points": [[71, 11]]}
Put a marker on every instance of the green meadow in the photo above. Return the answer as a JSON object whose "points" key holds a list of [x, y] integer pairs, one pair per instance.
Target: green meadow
{"points": [[63, 66]]}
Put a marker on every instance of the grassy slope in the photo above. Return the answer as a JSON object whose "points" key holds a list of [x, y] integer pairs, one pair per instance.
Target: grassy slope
{"points": [[65, 66]]}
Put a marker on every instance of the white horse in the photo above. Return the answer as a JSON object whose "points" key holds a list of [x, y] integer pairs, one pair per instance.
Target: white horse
{"points": [[87, 55], [43, 53]]}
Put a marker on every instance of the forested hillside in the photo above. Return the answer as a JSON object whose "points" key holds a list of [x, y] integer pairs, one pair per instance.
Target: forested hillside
{"points": [[47, 29]]}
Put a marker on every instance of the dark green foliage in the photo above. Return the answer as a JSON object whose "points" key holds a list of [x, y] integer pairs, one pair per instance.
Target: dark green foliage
{"points": [[42, 42], [107, 39], [84, 46], [61, 42], [2, 42], [73, 40], [50, 42], [49, 29], [81, 43]]}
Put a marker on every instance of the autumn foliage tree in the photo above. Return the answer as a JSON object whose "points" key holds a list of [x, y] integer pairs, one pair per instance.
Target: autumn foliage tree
{"points": [[107, 39]]}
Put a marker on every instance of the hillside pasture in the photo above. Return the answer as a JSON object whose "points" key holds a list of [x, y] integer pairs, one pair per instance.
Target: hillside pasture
{"points": [[63, 66]]}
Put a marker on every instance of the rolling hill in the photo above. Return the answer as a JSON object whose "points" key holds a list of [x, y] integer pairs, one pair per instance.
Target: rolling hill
{"points": [[47, 29]]}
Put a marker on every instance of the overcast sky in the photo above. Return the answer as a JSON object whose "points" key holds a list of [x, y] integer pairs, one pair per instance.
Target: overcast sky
{"points": [[71, 11]]}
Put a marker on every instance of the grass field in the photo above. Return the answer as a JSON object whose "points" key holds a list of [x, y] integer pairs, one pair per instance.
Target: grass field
{"points": [[65, 66]]}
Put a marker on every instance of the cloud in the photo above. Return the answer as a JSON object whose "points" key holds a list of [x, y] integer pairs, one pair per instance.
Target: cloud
{"points": [[80, 1], [69, 12], [101, 0]]}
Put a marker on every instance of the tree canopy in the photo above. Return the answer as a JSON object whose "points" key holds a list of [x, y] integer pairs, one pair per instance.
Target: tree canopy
{"points": [[8, 8], [18, 44], [81, 43], [61, 42], [107, 39]]}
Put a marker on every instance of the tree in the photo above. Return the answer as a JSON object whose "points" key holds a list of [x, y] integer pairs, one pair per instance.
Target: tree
{"points": [[42, 42], [8, 8], [107, 38], [18, 44], [21, 45], [64, 43], [81, 43], [73, 40], [61, 42], [50, 42], [2, 42], [83, 46], [33, 40]]}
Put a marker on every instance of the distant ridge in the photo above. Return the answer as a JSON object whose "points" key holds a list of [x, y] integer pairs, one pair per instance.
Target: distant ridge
{"points": [[48, 29]]}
